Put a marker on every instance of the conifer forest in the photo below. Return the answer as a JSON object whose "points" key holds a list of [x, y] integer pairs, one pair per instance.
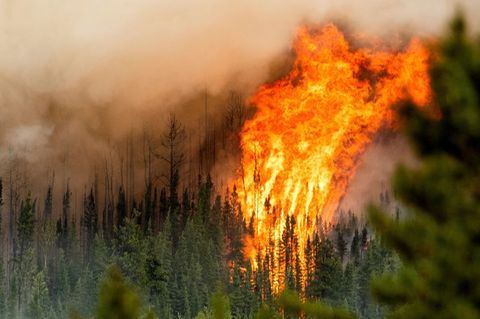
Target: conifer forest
{"points": [[239, 160]]}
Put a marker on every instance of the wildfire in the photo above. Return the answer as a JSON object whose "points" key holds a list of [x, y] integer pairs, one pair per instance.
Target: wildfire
{"points": [[301, 148]]}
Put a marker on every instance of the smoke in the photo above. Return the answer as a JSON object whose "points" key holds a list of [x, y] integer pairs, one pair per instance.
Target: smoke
{"points": [[78, 76], [375, 169]]}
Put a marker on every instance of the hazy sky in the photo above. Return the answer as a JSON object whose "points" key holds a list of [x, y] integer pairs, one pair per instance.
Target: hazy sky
{"points": [[79, 72]]}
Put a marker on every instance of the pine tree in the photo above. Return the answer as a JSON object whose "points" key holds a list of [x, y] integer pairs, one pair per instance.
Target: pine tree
{"points": [[1, 205], [178, 286], [327, 272], [63, 285], [48, 205], [220, 306], [438, 241], [25, 226], [3, 291], [293, 307], [3, 286], [236, 294], [355, 246], [118, 300], [341, 242], [121, 207], [90, 219], [160, 272], [162, 208], [64, 234], [39, 306], [131, 251], [85, 293]]}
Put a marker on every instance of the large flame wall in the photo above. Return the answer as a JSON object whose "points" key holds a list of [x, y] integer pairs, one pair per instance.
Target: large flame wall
{"points": [[301, 148]]}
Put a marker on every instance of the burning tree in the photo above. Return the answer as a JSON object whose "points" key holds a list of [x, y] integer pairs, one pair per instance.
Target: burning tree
{"points": [[301, 148]]}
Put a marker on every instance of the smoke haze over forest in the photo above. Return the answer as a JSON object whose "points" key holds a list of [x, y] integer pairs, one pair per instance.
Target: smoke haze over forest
{"points": [[195, 159], [78, 77]]}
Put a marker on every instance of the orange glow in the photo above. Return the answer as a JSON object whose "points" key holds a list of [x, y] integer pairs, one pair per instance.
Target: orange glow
{"points": [[301, 148]]}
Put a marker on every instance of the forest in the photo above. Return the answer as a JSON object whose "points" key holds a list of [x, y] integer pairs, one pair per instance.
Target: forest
{"points": [[177, 261], [175, 248]]}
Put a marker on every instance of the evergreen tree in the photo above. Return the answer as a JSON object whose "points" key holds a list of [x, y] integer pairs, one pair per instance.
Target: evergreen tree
{"points": [[327, 272], [162, 208], [25, 226], [293, 307], [3, 292], [90, 218], [220, 306], [131, 252], [39, 306], [63, 297], [1, 205], [438, 243], [118, 300], [121, 207], [341, 242], [84, 293], [159, 273], [355, 246], [48, 207], [65, 217]]}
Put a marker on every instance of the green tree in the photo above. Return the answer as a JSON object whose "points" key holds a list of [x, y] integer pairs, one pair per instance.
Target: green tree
{"points": [[131, 251], [327, 272], [219, 307], [90, 220], [39, 305], [66, 205], [121, 207], [159, 272], [118, 300], [25, 226], [3, 286], [293, 307], [439, 244]]}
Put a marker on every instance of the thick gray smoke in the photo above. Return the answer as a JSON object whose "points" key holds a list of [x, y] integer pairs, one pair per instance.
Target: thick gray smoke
{"points": [[78, 76], [375, 169]]}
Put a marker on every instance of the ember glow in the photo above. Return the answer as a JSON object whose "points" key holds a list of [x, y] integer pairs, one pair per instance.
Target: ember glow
{"points": [[301, 148]]}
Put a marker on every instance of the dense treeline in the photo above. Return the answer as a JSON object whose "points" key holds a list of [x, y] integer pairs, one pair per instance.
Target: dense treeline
{"points": [[177, 238], [177, 251], [438, 239]]}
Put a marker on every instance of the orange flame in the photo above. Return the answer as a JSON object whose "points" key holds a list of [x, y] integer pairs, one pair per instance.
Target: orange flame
{"points": [[300, 150]]}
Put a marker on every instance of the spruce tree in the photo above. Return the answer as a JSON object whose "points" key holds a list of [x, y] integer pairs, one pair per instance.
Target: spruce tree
{"points": [[121, 207], [25, 226], [327, 272], [90, 219], [438, 241], [39, 306], [118, 300]]}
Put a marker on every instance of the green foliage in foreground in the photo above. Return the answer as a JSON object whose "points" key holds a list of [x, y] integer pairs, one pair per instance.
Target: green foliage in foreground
{"points": [[61, 270], [117, 299], [293, 307], [440, 243]]}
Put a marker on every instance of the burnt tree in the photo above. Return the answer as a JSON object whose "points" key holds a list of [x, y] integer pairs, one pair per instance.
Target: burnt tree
{"points": [[173, 156]]}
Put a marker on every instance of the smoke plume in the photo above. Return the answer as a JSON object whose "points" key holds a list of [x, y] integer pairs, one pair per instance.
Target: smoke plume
{"points": [[78, 76]]}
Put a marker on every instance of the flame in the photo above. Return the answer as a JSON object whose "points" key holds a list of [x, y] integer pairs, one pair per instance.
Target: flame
{"points": [[301, 148]]}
